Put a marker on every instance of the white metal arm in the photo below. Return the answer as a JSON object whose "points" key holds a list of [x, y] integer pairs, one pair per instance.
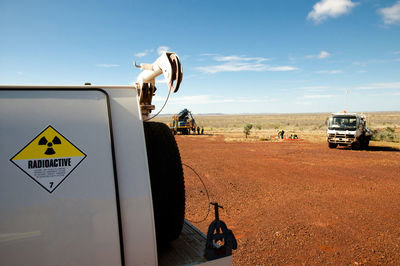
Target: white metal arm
{"points": [[169, 65]]}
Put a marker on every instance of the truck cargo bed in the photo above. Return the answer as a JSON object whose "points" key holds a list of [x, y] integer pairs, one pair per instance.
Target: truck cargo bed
{"points": [[187, 249]]}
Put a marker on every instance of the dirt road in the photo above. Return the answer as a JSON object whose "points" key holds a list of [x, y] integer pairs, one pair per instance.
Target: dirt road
{"points": [[298, 202]]}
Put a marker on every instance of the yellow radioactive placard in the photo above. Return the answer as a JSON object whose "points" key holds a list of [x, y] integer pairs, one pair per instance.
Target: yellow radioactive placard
{"points": [[48, 144], [49, 158]]}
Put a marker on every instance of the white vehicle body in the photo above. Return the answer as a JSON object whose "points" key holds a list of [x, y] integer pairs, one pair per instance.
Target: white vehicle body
{"points": [[75, 185], [348, 129], [79, 222]]}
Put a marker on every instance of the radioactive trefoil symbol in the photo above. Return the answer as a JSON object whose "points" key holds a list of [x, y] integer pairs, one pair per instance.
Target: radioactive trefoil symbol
{"points": [[49, 150]]}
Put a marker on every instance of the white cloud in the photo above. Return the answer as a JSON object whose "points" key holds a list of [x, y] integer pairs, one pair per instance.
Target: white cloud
{"points": [[303, 103], [371, 62], [321, 55], [231, 67], [209, 99], [236, 67], [235, 63], [318, 96], [311, 88], [141, 54], [280, 68], [325, 9], [362, 64], [144, 53], [391, 15], [380, 86], [240, 58], [208, 54], [315, 87], [332, 72], [107, 65], [162, 49]]}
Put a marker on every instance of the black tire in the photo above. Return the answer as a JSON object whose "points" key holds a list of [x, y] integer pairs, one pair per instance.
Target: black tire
{"points": [[356, 145], [167, 182], [332, 145], [365, 144]]}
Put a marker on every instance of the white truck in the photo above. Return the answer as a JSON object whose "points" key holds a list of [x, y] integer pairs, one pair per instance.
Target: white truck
{"points": [[85, 181], [348, 129]]}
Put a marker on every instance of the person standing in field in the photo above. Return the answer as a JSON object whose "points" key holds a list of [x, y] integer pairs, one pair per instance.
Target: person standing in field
{"points": [[198, 130]]}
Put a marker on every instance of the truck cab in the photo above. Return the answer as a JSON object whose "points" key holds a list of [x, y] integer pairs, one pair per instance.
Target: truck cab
{"points": [[348, 129]]}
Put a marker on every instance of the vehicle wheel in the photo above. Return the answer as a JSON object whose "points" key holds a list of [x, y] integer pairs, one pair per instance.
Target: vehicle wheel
{"points": [[167, 183], [365, 144], [356, 145], [332, 145]]}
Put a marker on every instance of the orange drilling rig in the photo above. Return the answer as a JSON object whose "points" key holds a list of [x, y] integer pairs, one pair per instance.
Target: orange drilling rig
{"points": [[183, 122]]}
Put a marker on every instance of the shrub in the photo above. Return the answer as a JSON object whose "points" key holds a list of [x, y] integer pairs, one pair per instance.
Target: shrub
{"points": [[246, 129], [375, 135], [387, 134], [389, 129], [275, 126]]}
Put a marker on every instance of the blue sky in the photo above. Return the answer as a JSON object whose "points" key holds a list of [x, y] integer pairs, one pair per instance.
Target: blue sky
{"points": [[237, 56]]}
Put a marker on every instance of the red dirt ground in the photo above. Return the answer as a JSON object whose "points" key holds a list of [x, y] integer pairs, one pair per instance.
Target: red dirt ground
{"points": [[298, 202]]}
